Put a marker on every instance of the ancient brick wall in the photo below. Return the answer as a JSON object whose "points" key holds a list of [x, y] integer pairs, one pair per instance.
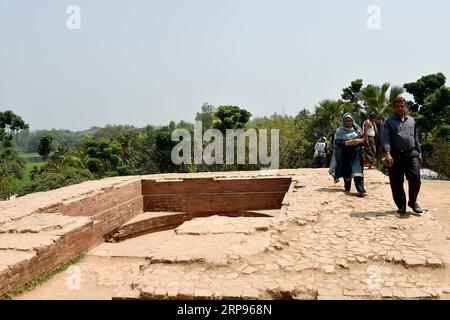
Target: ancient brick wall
{"points": [[101, 212], [214, 195], [41, 231]]}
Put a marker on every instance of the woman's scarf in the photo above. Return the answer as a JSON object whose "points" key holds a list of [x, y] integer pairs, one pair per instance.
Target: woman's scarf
{"points": [[343, 134]]}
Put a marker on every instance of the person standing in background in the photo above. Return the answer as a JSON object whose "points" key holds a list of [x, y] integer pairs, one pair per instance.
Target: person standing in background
{"points": [[370, 145], [320, 153]]}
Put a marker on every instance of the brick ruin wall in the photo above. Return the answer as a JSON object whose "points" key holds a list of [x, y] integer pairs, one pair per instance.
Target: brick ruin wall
{"points": [[107, 210], [214, 195]]}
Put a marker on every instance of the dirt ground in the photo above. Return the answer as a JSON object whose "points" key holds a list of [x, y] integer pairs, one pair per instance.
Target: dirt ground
{"points": [[436, 196], [328, 241]]}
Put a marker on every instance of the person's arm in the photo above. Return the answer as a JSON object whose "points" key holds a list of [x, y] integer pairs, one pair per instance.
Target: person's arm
{"points": [[386, 142], [386, 137], [417, 146]]}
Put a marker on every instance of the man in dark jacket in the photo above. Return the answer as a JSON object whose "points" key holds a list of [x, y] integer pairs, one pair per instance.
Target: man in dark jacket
{"points": [[403, 156]]}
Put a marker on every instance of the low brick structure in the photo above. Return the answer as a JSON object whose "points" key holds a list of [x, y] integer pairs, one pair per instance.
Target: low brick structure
{"points": [[41, 231]]}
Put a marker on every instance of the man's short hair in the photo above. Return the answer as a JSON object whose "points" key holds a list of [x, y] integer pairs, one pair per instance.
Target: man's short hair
{"points": [[399, 98]]}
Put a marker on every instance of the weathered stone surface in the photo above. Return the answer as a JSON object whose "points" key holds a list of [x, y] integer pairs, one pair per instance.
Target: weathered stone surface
{"points": [[221, 225], [322, 244], [414, 293], [37, 223], [328, 269], [26, 242], [9, 258], [386, 293]]}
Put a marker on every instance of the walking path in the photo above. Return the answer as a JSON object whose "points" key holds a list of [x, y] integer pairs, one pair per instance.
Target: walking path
{"points": [[322, 244]]}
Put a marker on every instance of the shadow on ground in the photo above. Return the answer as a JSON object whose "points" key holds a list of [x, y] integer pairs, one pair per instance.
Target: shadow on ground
{"points": [[373, 214], [330, 190]]}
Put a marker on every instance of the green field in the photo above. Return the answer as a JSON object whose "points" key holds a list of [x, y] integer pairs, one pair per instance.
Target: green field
{"points": [[32, 159]]}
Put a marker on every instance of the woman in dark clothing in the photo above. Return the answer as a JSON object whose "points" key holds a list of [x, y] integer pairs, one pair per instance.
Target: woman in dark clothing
{"points": [[347, 159]]}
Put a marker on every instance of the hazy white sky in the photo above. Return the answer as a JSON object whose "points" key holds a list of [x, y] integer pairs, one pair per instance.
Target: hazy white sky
{"points": [[152, 61]]}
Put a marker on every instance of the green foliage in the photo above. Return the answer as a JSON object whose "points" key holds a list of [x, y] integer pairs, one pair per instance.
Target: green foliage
{"points": [[162, 150], [206, 116], [47, 180], [351, 93], [102, 155], [126, 150], [438, 160], [45, 146], [230, 117], [432, 112], [32, 165], [113, 131], [423, 88], [11, 165], [326, 119], [377, 99]]}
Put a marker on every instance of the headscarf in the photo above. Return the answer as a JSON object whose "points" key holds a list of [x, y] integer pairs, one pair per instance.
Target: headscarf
{"points": [[345, 133]]}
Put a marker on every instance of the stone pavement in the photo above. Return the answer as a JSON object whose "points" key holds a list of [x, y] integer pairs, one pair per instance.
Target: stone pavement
{"points": [[323, 244]]}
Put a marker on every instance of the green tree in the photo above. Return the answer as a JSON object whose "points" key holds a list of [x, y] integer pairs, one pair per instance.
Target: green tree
{"points": [[161, 153], [45, 146], [64, 158], [230, 117], [11, 165], [435, 110], [103, 156], [351, 93], [380, 99], [46, 181], [423, 88], [327, 118], [351, 96], [206, 116]]}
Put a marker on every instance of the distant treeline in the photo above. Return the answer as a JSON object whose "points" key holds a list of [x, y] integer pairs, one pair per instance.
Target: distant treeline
{"points": [[27, 141], [73, 157]]}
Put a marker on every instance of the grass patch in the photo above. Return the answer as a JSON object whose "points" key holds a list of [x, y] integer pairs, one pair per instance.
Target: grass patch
{"points": [[32, 159], [43, 278], [30, 155]]}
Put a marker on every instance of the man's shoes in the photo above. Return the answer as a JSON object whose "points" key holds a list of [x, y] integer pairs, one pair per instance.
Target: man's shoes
{"points": [[402, 211], [416, 209]]}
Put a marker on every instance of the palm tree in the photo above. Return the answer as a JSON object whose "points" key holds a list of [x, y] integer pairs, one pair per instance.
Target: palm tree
{"points": [[328, 117], [63, 158], [377, 99]]}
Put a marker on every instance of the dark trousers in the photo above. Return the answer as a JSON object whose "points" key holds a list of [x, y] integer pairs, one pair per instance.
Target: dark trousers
{"points": [[409, 166], [359, 184], [321, 162]]}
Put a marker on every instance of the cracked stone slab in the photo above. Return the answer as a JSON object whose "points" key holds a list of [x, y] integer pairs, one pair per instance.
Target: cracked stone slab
{"points": [[11, 257], [38, 222], [221, 225], [26, 241], [216, 249]]}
